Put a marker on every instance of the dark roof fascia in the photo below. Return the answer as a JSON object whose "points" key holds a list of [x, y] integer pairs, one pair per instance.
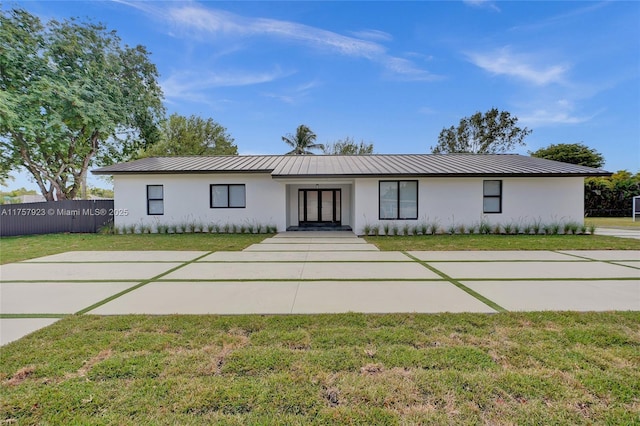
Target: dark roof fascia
{"points": [[449, 175], [349, 176], [182, 172]]}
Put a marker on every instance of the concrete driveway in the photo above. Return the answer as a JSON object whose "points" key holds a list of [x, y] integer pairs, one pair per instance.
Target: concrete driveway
{"points": [[311, 273], [620, 233]]}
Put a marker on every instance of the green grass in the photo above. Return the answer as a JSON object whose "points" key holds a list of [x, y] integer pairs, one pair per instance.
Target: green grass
{"points": [[14, 249], [511, 368], [614, 222], [504, 242]]}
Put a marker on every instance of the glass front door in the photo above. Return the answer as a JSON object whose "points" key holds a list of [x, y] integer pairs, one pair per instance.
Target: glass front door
{"points": [[319, 206]]}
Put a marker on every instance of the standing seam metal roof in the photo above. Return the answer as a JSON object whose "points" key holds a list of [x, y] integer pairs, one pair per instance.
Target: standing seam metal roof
{"points": [[356, 165]]}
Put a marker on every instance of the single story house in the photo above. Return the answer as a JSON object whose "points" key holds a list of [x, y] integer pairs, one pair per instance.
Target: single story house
{"points": [[289, 191]]}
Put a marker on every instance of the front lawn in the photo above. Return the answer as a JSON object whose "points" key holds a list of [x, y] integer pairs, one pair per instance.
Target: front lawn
{"points": [[504, 242], [614, 222], [14, 249], [510, 368]]}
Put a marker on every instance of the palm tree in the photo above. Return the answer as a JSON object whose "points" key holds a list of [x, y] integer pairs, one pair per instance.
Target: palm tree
{"points": [[302, 141]]}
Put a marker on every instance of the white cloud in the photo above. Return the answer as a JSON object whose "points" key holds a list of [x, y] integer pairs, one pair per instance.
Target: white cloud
{"points": [[489, 4], [294, 95], [217, 22], [406, 69], [559, 112], [541, 117], [524, 67], [194, 85], [564, 18], [375, 35], [420, 56], [214, 25]]}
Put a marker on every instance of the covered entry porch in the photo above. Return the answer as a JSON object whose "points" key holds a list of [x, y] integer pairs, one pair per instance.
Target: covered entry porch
{"points": [[319, 205]]}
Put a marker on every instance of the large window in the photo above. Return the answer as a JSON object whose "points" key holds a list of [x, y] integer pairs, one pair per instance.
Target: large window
{"points": [[398, 199], [492, 196], [227, 196], [155, 200]]}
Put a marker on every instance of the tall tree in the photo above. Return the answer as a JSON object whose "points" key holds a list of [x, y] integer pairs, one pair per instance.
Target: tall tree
{"points": [[574, 153], [493, 132], [191, 136], [348, 146], [302, 141], [611, 196], [71, 97]]}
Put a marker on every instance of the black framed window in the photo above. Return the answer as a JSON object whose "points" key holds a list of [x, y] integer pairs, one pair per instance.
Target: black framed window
{"points": [[227, 196], [492, 196], [398, 199], [155, 199]]}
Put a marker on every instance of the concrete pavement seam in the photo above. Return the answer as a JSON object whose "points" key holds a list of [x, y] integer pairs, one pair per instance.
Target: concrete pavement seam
{"points": [[615, 262], [26, 316], [504, 261], [137, 286], [69, 281], [610, 262], [575, 255], [295, 297], [266, 280], [305, 261], [476, 295], [67, 262], [553, 279]]}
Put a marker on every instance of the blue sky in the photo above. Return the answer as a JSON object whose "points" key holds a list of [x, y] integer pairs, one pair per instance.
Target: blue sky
{"points": [[390, 73]]}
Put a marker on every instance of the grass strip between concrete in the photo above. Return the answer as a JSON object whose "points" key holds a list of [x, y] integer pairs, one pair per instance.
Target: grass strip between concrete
{"points": [[616, 262], [26, 316], [137, 286], [68, 262], [610, 262], [553, 279], [277, 280], [303, 261], [508, 261], [458, 284], [129, 280], [590, 259]]}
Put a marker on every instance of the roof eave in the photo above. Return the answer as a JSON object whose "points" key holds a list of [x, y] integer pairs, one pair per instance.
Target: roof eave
{"points": [[350, 176], [438, 175], [177, 172]]}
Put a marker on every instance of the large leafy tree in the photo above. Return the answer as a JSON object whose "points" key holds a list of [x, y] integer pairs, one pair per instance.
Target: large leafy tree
{"points": [[191, 136], [72, 96], [574, 153], [611, 196], [348, 146], [302, 142], [493, 132]]}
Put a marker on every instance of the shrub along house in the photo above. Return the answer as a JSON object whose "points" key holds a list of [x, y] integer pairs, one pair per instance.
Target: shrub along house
{"points": [[310, 191]]}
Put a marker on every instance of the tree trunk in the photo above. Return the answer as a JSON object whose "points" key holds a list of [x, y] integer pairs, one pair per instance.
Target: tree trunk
{"points": [[83, 187]]}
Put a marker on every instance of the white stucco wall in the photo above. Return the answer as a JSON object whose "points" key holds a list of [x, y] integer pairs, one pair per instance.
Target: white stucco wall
{"points": [[460, 200], [275, 202], [186, 199]]}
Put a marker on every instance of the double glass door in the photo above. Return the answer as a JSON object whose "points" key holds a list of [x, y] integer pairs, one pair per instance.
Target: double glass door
{"points": [[319, 206]]}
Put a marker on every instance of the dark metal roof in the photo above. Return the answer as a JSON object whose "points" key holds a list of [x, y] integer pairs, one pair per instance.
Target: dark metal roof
{"points": [[296, 166]]}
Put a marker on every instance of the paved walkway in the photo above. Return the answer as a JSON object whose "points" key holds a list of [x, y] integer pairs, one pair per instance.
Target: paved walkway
{"points": [[311, 273], [621, 233]]}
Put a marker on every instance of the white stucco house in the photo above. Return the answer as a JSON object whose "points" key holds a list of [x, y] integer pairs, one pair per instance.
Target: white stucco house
{"points": [[347, 191]]}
